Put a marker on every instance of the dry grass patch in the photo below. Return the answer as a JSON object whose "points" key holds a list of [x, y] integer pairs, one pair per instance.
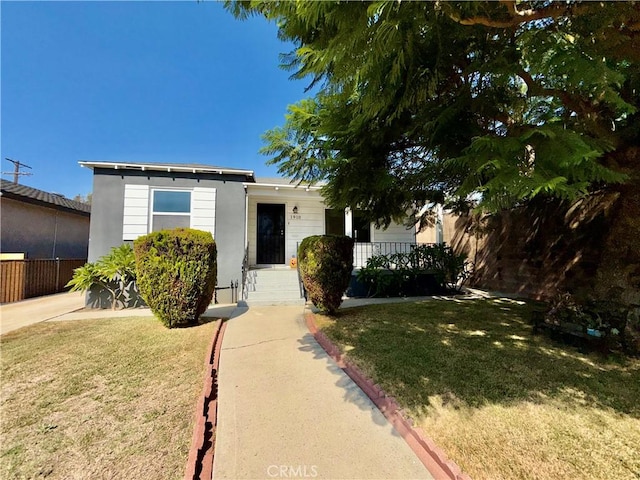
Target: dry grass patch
{"points": [[502, 403], [109, 398]]}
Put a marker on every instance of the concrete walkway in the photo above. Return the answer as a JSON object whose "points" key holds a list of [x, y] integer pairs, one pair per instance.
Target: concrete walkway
{"points": [[285, 410], [34, 310]]}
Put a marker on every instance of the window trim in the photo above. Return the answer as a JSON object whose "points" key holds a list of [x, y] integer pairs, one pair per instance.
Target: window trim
{"points": [[137, 215], [153, 213]]}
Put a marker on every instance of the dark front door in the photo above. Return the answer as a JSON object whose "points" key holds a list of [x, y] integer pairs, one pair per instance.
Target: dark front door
{"points": [[271, 224]]}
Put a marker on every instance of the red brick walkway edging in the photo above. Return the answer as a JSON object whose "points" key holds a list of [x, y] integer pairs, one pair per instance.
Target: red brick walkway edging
{"points": [[432, 457], [200, 463]]}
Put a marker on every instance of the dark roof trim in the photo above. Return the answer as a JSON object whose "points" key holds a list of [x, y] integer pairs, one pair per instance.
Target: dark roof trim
{"points": [[169, 167], [283, 183], [34, 196]]}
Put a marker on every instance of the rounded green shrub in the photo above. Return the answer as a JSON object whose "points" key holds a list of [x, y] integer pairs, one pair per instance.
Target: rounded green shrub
{"points": [[325, 263], [176, 272]]}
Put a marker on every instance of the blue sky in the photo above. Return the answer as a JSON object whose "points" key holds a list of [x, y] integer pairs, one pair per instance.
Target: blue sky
{"points": [[140, 81]]}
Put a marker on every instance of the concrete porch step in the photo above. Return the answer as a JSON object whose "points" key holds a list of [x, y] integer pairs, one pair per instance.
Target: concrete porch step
{"points": [[273, 286], [274, 301], [254, 275], [286, 294]]}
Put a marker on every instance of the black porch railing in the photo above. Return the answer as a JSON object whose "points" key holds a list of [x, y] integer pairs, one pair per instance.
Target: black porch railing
{"points": [[234, 292], [364, 251], [245, 271], [303, 292]]}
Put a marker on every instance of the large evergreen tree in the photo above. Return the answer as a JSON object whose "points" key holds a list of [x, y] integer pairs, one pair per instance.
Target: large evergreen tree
{"points": [[437, 101]]}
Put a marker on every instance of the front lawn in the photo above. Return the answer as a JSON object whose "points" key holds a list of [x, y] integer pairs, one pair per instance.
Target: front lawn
{"points": [[502, 403], [111, 398]]}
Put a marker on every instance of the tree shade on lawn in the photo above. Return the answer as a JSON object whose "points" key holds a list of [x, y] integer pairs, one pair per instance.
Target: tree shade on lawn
{"points": [[501, 402]]}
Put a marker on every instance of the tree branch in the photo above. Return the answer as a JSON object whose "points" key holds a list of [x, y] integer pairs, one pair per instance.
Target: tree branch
{"points": [[511, 6], [535, 89], [516, 17]]}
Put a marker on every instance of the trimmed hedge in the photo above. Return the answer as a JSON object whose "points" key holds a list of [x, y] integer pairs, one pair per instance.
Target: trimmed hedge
{"points": [[176, 271], [326, 262]]}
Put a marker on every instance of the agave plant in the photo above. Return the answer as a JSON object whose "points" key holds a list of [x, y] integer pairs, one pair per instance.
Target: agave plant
{"points": [[115, 272]]}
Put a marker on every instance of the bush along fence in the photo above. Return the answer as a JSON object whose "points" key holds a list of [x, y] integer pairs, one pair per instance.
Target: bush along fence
{"points": [[606, 325], [21, 279], [425, 269]]}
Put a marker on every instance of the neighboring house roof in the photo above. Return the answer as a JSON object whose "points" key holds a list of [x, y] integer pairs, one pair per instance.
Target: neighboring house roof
{"points": [[169, 167], [40, 197]]}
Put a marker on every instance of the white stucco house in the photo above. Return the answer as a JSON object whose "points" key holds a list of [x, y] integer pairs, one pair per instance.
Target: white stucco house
{"points": [[257, 223], [285, 213]]}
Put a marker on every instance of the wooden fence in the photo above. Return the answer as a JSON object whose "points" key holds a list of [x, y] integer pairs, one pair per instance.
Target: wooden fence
{"points": [[20, 279]]}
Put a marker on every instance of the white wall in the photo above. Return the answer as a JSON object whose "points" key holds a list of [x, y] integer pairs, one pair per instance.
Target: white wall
{"points": [[308, 221], [395, 233]]}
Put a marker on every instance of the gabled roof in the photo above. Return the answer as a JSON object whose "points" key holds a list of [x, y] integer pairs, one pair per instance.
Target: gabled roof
{"points": [[168, 167], [40, 197]]}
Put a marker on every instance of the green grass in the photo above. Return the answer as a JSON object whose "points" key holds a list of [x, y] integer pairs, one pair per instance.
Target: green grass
{"points": [[111, 398], [501, 402]]}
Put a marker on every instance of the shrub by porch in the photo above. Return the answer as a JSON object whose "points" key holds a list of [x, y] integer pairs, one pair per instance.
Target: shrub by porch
{"points": [[326, 262]]}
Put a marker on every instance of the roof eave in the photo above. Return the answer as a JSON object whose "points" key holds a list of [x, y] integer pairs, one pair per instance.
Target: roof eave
{"points": [[165, 168], [284, 185]]}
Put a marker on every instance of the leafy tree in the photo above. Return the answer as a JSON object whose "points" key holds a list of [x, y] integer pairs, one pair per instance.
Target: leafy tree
{"points": [[115, 272], [83, 198], [448, 101]]}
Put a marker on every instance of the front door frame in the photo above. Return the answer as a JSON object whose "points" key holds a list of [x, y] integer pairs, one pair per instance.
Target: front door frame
{"points": [[270, 248]]}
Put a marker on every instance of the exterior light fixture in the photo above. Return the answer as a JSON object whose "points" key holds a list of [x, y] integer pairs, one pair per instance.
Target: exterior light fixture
{"points": [[295, 209]]}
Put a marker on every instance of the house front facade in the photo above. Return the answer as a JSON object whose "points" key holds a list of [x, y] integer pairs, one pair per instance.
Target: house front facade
{"points": [[280, 214], [257, 222]]}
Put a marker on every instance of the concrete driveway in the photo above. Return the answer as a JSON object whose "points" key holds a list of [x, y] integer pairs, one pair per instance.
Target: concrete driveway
{"points": [[34, 310]]}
